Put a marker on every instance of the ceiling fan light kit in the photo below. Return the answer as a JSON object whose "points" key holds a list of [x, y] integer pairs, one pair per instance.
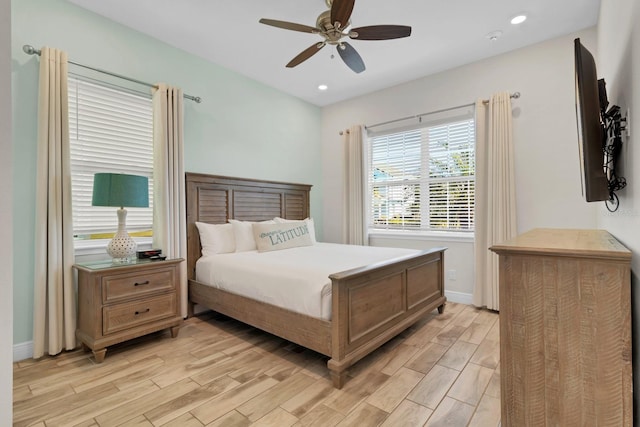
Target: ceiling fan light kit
{"points": [[334, 25]]}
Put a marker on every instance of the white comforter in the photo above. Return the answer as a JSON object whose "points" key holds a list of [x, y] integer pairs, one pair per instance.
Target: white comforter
{"points": [[296, 279]]}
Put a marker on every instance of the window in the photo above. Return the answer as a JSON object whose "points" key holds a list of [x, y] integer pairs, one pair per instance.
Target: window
{"points": [[424, 178], [110, 130]]}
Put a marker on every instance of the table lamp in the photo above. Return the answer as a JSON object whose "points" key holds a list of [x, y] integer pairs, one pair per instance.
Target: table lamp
{"points": [[114, 189]]}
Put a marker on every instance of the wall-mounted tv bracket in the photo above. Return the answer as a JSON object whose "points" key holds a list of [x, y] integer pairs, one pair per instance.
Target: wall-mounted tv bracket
{"points": [[614, 124]]}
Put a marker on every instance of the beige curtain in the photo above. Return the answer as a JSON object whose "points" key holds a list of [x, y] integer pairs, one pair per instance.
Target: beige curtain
{"points": [[354, 219], [495, 216], [54, 305], [169, 214]]}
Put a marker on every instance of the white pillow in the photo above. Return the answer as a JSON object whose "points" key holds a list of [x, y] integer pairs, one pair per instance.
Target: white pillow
{"points": [[216, 238], [272, 237], [243, 232], [309, 221]]}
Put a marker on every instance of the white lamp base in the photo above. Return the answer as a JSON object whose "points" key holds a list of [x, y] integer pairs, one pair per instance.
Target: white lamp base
{"points": [[122, 248]]}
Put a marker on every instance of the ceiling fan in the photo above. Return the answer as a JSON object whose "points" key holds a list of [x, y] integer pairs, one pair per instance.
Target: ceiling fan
{"points": [[334, 25]]}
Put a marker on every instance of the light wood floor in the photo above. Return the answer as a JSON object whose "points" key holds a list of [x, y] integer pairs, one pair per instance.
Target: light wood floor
{"points": [[219, 372]]}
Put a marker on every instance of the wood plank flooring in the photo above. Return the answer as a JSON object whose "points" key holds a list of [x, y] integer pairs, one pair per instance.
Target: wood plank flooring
{"points": [[443, 371]]}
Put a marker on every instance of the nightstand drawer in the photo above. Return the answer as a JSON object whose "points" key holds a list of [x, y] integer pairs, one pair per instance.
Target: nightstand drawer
{"points": [[129, 315], [132, 285]]}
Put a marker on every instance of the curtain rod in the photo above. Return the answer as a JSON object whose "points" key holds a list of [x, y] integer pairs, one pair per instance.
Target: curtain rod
{"points": [[514, 95], [30, 50]]}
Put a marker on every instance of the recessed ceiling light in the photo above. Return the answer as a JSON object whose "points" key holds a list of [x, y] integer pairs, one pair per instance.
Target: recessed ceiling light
{"points": [[323, 87], [518, 19]]}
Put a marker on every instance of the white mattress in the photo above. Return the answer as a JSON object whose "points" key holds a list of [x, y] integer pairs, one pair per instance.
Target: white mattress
{"points": [[296, 279]]}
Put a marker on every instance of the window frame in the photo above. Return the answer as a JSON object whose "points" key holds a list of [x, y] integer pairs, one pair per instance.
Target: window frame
{"points": [[448, 116], [97, 245]]}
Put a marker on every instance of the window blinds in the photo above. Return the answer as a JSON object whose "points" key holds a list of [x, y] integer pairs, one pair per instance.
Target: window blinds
{"points": [[396, 178], [110, 130], [424, 178], [451, 175]]}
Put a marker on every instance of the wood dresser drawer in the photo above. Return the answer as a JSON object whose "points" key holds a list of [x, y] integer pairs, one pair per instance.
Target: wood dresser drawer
{"points": [[119, 287], [131, 314]]}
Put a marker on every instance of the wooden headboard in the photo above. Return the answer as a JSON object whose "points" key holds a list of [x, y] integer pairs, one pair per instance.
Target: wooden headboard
{"points": [[215, 199]]}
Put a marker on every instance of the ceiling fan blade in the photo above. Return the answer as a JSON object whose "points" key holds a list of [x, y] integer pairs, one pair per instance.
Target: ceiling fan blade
{"points": [[305, 54], [341, 12], [380, 32], [351, 57], [289, 25]]}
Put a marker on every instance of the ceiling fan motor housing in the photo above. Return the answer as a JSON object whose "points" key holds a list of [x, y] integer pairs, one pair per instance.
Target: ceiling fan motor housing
{"points": [[327, 30]]}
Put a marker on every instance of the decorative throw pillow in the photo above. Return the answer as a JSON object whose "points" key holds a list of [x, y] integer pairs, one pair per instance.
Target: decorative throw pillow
{"points": [[273, 237], [216, 238], [243, 232], [310, 225]]}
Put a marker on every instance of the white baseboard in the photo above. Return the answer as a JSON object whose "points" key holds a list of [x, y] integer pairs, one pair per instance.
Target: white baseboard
{"points": [[459, 297], [22, 351]]}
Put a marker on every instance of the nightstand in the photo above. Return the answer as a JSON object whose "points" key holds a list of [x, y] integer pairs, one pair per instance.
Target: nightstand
{"points": [[118, 302]]}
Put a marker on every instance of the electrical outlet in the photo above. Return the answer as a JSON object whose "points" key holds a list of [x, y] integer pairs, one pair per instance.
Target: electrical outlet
{"points": [[452, 275]]}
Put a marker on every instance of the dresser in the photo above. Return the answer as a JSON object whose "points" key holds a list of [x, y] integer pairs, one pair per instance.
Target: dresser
{"points": [[565, 329], [118, 302]]}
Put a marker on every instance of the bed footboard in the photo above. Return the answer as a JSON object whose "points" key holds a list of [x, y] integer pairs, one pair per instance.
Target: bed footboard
{"points": [[373, 304]]}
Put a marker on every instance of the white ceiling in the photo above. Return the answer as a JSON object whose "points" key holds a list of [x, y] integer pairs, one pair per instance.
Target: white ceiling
{"points": [[445, 34]]}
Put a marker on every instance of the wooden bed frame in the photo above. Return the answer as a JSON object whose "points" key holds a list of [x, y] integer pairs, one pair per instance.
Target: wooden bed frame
{"points": [[370, 305]]}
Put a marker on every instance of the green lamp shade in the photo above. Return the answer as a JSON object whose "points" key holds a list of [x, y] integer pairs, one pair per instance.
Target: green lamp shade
{"points": [[116, 189]]}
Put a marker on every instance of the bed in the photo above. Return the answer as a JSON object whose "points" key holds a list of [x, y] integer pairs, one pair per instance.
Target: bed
{"points": [[364, 312]]}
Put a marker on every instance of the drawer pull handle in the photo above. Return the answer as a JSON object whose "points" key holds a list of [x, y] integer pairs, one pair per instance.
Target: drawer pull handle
{"points": [[146, 282], [143, 311]]}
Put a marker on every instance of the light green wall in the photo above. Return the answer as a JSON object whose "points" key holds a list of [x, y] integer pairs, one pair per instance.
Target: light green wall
{"points": [[243, 128], [6, 229]]}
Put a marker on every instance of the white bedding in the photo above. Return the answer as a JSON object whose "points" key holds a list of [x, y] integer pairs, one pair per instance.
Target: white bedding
{"points": [[296, 279]]}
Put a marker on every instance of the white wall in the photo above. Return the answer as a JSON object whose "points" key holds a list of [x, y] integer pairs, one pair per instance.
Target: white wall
{"points": [[618, 55], [545, 137], [6, 225], [618, 62]]}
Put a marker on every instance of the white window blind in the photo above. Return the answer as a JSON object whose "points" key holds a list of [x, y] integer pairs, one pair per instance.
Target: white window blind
{"points": [[110, 130], [424, 178]]}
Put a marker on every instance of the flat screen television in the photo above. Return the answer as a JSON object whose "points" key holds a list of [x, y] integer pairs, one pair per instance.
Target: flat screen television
{"points": [[591, 104]]}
